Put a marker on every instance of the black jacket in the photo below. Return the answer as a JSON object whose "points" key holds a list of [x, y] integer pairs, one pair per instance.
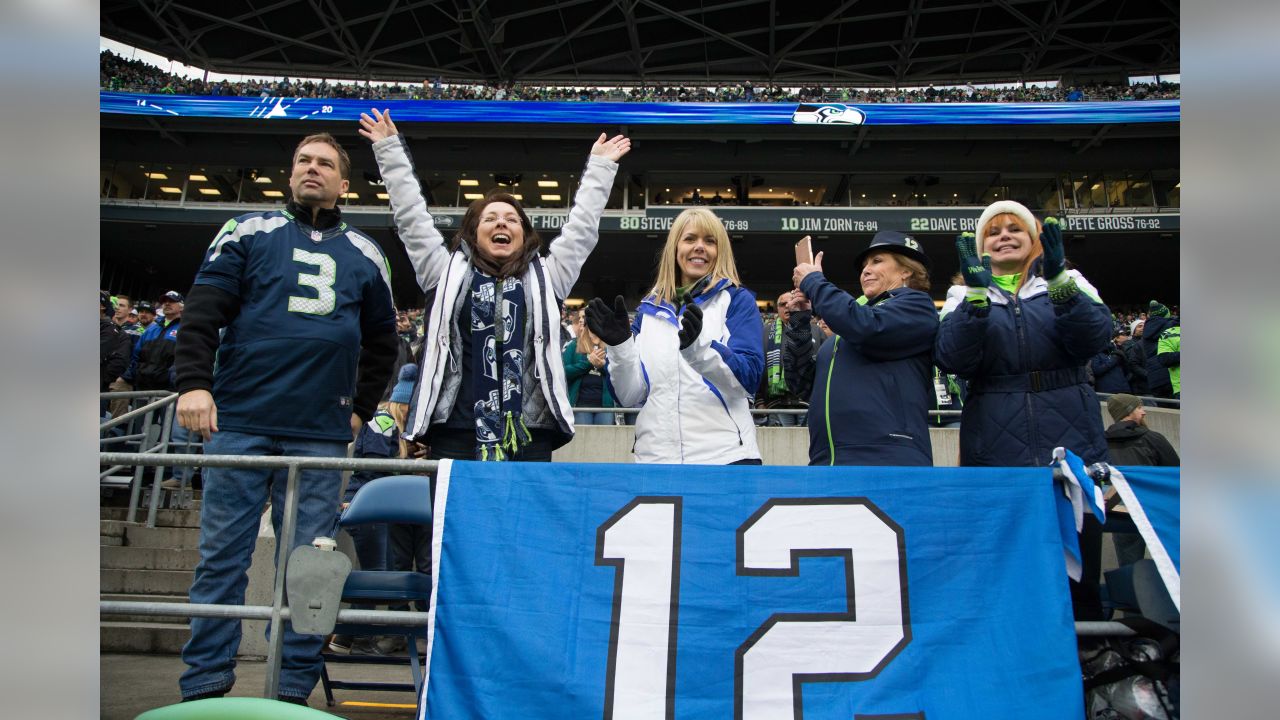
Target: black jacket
{"points": [[1137, 365], [155, 359], [115, 347], [1132, 444], [1158, 382]]}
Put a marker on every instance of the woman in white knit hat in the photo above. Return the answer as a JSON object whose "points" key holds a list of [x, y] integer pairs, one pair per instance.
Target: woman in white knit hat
{"points": [[1021, 335]]}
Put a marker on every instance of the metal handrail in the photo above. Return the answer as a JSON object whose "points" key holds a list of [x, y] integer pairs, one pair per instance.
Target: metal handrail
{"points": [[279, 606]]}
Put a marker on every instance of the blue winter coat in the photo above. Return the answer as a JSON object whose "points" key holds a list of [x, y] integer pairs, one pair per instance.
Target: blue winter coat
{"points": [[1024, 359], [873, 379], [1108, 369]]}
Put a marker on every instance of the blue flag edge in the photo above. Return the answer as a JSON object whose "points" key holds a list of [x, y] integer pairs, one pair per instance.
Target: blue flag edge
{"points": [[437, 540], [1164, 563], [1073, 470]]}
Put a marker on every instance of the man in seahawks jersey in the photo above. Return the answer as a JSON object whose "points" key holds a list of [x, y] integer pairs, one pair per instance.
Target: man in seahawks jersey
{"points": [[309, 341]]}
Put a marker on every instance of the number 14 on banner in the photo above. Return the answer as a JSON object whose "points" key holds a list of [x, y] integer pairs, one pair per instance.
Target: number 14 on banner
{"points": [[642, 543]]}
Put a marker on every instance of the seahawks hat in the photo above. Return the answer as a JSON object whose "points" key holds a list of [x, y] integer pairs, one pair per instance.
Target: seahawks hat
{"points": [[895, 242]]}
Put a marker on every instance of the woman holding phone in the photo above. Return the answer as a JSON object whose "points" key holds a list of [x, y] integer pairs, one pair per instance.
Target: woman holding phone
{"points": [[871, 387], [694, 354]]}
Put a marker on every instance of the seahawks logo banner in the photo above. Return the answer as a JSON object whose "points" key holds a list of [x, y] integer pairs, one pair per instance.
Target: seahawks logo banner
{"points": [[754, 593], [284, 109]]}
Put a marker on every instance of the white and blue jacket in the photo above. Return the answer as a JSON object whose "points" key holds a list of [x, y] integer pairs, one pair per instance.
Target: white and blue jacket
{"points": [[694, 403]]}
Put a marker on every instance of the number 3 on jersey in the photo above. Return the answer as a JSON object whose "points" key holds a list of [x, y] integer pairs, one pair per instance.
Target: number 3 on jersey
{"points": [[322, 281]]}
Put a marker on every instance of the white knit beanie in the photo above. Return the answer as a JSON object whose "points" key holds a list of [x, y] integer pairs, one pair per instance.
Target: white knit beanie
{"points": [[1001, 207]]}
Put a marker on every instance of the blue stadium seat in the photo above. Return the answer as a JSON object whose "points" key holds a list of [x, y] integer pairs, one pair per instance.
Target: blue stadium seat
{"points": [[392, 499]]}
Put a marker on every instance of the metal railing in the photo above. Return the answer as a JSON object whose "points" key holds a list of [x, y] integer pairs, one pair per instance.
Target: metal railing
{"points": [[152, 439], [278, 609]]}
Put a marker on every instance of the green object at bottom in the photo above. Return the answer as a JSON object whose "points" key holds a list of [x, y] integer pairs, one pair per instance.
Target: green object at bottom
{"points": [[235, 708]]}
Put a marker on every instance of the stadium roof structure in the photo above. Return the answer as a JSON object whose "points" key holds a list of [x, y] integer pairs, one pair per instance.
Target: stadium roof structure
{"points": [[846, 42]]}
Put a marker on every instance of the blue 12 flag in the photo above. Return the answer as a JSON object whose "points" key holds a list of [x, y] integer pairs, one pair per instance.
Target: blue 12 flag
{"points": [[753, 593]]}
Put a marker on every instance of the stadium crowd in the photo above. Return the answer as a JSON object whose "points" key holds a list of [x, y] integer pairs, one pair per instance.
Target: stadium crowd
{"points": [[124, 75]]}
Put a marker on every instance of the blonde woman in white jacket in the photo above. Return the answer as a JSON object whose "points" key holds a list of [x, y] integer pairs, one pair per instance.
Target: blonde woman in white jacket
{"points": [[692, 358], [491, 384]]}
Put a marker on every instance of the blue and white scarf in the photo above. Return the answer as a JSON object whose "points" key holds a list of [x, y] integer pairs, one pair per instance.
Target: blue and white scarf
{"points": [[497, 365]]}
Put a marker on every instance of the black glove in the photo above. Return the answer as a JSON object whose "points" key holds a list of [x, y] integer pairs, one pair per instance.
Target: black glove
{"points": [[690, 325], [611, 326], [1055, 257]]}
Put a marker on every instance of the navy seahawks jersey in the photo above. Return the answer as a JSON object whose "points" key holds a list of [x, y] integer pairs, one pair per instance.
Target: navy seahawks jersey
{"points": [[287, 363]]}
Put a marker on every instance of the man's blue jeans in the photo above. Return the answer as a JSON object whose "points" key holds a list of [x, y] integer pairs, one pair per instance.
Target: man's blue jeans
{"points": [[230, 512]]}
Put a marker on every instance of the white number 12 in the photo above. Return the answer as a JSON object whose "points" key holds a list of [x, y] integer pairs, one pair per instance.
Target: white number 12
{"points": [[642, 542]]}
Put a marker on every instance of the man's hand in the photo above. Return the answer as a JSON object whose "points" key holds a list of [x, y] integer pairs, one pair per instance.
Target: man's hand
{"points": [[356, 424], [198, 413], [804, 269], [613, 148], [799, 302], [378, 127]]}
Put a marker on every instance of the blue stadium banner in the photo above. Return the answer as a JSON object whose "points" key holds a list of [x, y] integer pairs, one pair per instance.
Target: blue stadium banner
{"points": [[637, 113], [755, 593]]}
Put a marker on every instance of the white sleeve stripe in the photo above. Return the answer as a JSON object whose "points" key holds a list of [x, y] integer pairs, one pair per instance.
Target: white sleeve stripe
{"points": [[371, 251], [1164, 564], [248, 227]]}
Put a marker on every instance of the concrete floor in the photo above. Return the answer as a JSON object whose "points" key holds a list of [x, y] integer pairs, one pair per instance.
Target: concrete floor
{"points": [[132, 684]]}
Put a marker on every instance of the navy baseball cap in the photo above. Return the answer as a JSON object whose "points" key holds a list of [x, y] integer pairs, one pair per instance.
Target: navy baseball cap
{"points": [[145, 306], [895, 242], [173, 295]]}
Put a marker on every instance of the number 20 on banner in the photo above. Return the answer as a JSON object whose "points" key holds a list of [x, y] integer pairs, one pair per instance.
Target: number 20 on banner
{"points": [[642, 543]]}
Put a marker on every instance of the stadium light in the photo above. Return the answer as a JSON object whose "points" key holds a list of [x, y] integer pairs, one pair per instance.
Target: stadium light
{"points": [[156, 175], [171, 190], [473, 196], [550, 198], [199, 178], [210, 191], [351, 196], [548, 183], [383, 196], [262, 179], [272, 193], [517, 196], [468, 183]]}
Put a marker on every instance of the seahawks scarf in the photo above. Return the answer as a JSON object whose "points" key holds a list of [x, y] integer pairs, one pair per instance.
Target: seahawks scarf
{"points": [[777, 383], [497, 365]]}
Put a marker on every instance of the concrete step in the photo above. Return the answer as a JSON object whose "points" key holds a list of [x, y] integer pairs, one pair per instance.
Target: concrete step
{"points": [[152, 582], [135, 557], [135, 637], [112, 528], [111, 540], [164, 518], [162, 537]]}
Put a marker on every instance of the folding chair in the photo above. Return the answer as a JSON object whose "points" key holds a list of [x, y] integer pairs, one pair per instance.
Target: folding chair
{"points": [[392, 499]]}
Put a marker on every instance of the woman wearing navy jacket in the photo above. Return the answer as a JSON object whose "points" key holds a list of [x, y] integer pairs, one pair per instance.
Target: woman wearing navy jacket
{"points": [[873, 379], [1021, 335]]}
